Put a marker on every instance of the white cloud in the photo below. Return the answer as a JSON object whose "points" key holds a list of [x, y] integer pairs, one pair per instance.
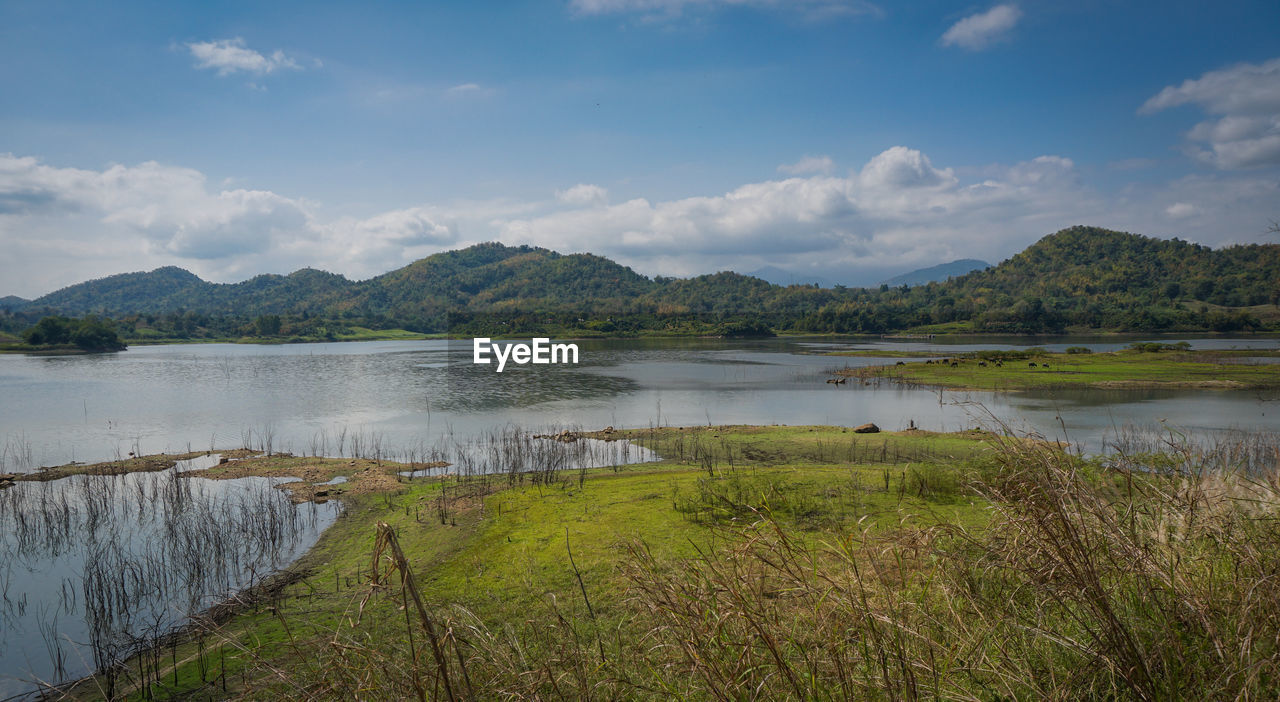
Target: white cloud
{"points": [[977, 32], [808, 164], [583, 194], [132, 217], [1246, 100], [899, 210], [658, 9], [899, 167], [228, 56]]}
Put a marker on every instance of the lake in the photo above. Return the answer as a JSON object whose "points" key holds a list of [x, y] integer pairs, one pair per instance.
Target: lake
{"points": [[301, 398], [92, 566]]}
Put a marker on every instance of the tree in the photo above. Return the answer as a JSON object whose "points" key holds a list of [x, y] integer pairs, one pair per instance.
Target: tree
{"points": [[50, 331], [88, 334], [268, 325]]}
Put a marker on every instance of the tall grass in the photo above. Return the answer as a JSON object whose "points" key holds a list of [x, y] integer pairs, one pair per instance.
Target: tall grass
{"points": [[1090, 580]]}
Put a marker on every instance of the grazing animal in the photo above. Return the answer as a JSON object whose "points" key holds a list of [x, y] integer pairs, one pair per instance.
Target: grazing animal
{"points": [[982, 364], [901, 363], [954, 364], [1044, 365], [1031, 365], [999, 364], [929, 362]]}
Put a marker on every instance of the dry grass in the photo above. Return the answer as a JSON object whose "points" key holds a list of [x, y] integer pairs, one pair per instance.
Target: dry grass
{"points": [[1087, 582]]}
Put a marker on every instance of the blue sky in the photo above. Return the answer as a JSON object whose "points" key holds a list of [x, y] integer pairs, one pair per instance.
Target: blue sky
{"points": [[838, 138]]}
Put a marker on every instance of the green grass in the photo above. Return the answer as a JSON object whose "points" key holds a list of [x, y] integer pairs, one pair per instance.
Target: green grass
{"points": [[958, 327], [363, 334], [787, 562], [501, 552], [1123, 369]]}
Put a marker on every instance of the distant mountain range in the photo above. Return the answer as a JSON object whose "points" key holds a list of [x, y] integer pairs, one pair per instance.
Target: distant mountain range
{"points": [[1081, 277], [938, 273], [779, 276], [920, 276]]}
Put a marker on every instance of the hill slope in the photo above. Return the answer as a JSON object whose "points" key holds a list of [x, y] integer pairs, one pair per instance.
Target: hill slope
{"points": [[1081, 277], [13, 302]]}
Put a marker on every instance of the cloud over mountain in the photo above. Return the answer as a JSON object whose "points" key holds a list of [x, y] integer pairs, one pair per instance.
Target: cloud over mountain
{"points": [[898, 210]]}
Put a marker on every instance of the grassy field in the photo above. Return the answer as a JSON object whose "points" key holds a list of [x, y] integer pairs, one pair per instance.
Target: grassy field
{"points": [[1233, 369], [765, 563]]}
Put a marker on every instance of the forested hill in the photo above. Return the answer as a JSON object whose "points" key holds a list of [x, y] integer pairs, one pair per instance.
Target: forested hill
{"points": [[12, 302], [1090, 277], [1082, 277], [170, 289]]}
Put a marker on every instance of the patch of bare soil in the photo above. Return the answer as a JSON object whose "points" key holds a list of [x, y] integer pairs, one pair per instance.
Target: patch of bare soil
{"points": [[363, 476], [132, 464]]}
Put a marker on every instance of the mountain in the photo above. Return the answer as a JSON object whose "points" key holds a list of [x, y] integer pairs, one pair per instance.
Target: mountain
{"points": [[778, 276], [441, 290], [12, 302], [171, 289], [123, 293], [1093, 278], [1078, 278], [937, 273]]}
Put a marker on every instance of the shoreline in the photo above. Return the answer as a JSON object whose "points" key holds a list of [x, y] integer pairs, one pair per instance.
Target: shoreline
{"points": [[1036, 369], [942, 337]]}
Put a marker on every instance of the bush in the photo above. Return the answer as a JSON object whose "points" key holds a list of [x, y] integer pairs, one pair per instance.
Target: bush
{"points": [[88, 334], [1079, 349], [1157, 347]]}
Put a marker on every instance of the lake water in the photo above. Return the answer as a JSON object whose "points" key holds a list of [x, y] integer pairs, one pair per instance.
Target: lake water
{"points": [[392, 397], [91, 566], [302, 398]]}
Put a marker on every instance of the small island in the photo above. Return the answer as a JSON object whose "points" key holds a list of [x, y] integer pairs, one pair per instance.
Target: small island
{"points": [[1143, 365], [64, 335]]}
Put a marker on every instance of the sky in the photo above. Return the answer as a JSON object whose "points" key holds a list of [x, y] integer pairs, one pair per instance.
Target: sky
{"points": [[847, 139]]}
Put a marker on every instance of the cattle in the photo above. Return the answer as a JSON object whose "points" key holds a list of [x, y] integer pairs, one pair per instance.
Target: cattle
{"points": [[1031, 365], [982, 364]]}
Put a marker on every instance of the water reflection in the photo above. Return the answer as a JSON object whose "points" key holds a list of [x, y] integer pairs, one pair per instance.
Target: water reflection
{"points": [[209, 396], [93, 567]]}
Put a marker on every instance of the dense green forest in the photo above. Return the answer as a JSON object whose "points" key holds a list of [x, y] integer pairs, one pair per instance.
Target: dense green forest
{"points": [[90, 334], [1081, 278]]}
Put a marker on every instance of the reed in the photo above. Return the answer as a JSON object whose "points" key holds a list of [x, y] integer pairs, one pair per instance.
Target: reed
{"points": [[1119, 578]]}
